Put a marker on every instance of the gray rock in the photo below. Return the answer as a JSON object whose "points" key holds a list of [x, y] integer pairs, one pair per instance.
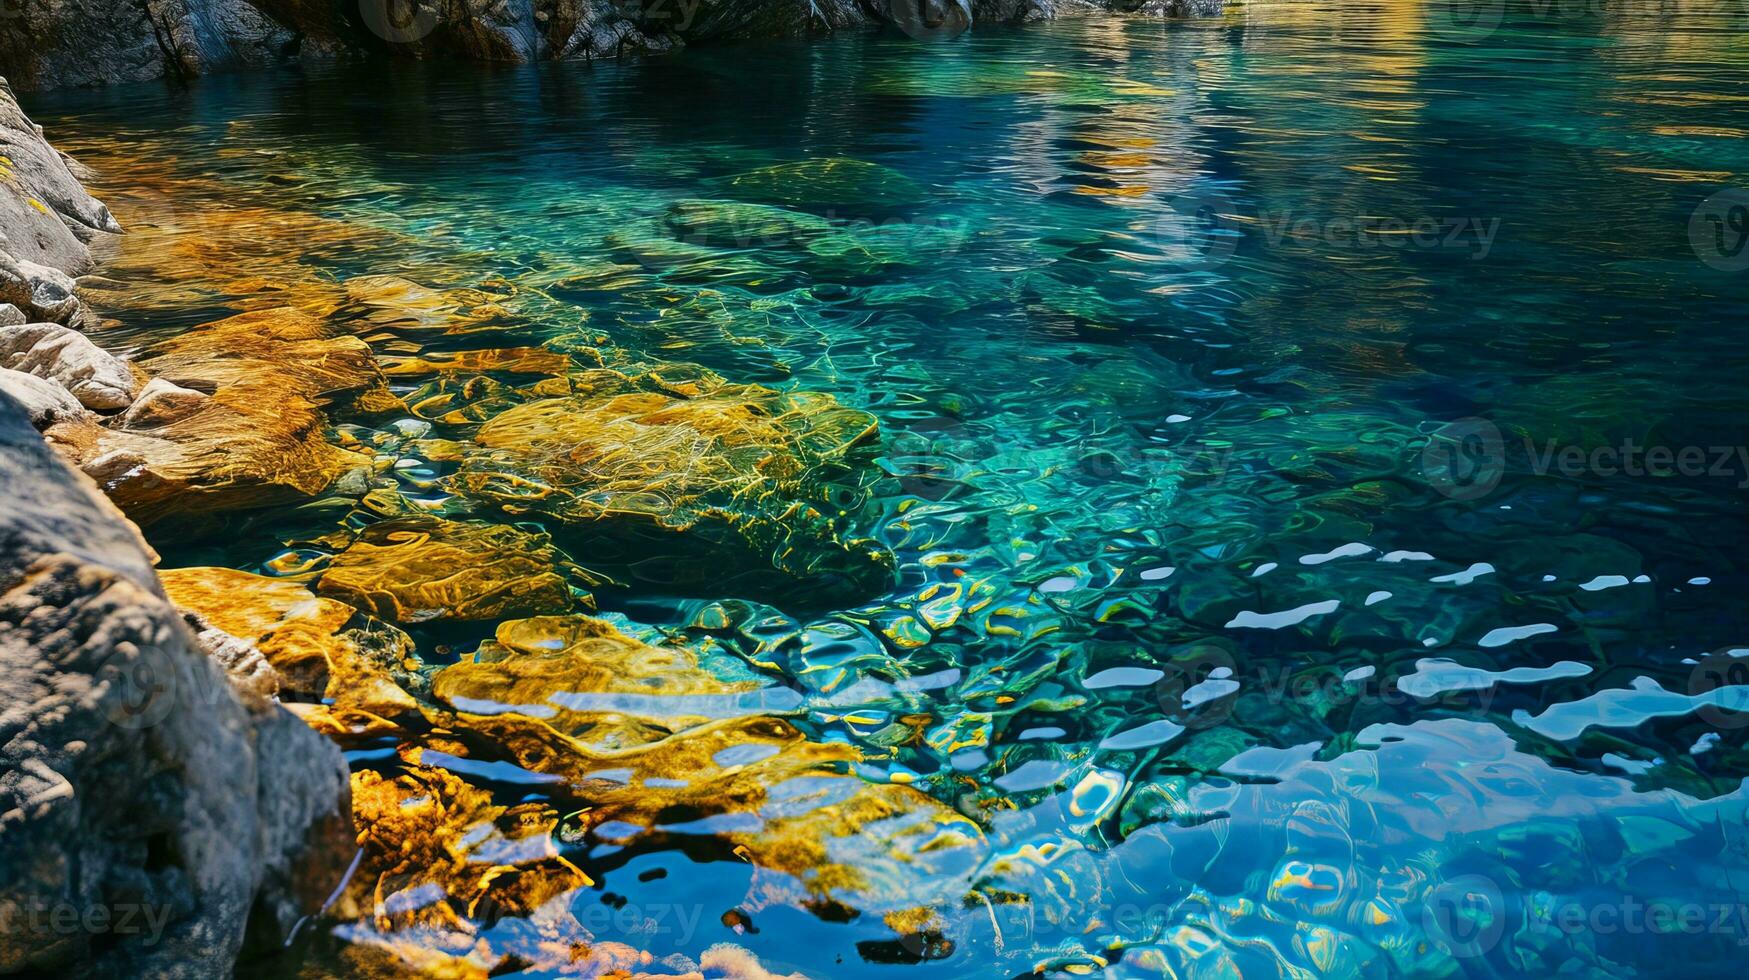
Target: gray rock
{"points": [[161, 402], [45, 402], [99, 380], [51, 294], [12, 316], [46, 216], [50, 43], [136, 779]]}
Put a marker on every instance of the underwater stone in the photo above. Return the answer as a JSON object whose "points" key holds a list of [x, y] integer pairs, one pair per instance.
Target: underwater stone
{"points": [[259, 440], [757, 478], [161, 402], [576, 698], [420, 568], [841, 184], [322, 649]]}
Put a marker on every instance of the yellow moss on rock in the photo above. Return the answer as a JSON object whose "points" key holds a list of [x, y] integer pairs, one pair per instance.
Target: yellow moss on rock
{"points": [[758, 479], [321, 648], [413, 569], [641, 734], [261, 438]]}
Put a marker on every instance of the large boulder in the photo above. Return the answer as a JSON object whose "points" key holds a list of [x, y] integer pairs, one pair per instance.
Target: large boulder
{"points": [[144, 797], [50, 43], [46, 216], [44, 402]]}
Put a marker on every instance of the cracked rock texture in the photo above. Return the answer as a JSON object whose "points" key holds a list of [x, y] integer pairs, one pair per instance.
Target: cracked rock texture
{"points": [[151, 791]]}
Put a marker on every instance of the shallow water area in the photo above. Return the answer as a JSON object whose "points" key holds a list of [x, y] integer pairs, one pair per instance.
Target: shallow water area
{"points": [[1109, 496]]}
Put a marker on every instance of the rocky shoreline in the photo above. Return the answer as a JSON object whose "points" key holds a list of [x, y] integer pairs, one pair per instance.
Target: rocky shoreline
{"points": [[48, 44], [158, 803]]}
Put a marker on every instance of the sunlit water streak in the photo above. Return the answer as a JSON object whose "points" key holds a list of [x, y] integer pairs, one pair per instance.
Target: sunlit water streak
{"points": [[1236, 685]]}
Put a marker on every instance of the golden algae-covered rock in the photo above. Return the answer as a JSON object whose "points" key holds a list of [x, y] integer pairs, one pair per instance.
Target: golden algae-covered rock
{"points": [[259, 440], [246, 447], [179, 254], [648, 739], [500, 360], [439, 852], [321, 648], [402, 304], [842, 184], [740, 487], [412, 569], [291, 350]]}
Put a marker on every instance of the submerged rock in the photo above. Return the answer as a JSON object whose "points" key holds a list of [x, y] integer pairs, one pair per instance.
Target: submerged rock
{"points": [[260, 439], [394, 302], [834, 249], [136, 778], [99, 380], [841, 184], [324, 650], [735, 486], [653, 741], [161, 402], [414, 569]]}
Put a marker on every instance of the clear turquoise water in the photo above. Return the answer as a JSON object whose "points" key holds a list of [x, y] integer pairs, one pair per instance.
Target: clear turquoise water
{"points": [[1152, 384]]}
